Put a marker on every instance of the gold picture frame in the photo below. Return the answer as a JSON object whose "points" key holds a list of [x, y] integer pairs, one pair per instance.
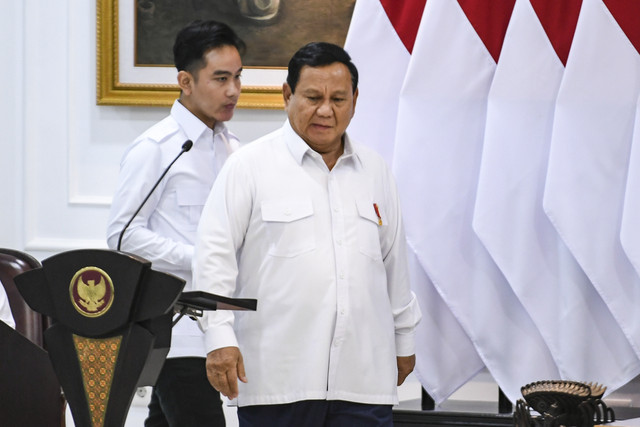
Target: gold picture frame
{"points": [[111, 90]]}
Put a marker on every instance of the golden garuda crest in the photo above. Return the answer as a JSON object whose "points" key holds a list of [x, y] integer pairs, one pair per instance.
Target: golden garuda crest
{"points": [[91, 291]]}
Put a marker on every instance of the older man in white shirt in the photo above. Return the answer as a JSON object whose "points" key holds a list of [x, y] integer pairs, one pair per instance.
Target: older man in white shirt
{"points": [[309, 223]]}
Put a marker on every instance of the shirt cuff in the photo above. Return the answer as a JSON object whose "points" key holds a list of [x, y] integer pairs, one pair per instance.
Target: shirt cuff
{"points": [[187, 260], [219, 337], [405, 344]]}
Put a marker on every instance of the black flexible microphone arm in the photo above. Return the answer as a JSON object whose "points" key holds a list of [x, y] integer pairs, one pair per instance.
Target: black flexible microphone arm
{"points": [[185, 147]]}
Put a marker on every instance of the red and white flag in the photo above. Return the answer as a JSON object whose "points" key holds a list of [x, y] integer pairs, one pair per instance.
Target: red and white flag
{"points": [[380, 41], [630, 231], [508, 216], [441, 121], [446, 358], [590, 148]]}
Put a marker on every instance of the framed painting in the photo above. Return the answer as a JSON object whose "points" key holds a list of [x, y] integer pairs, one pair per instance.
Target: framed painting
{"points": [[134, 59]]}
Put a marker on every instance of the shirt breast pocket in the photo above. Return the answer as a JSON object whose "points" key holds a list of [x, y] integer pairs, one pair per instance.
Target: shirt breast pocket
{"points": [[370, 219], [289, 226], [190, 203]]}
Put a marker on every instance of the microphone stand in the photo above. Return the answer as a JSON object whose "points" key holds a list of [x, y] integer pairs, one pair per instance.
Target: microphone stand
{"points": [[185, 147], [193, 304]]}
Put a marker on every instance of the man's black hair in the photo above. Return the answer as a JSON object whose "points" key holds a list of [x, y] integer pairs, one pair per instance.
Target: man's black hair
{"points": [[198, 38], [318, 54]]}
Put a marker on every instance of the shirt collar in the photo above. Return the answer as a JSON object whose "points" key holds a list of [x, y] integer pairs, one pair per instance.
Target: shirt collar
{"points": [[192, 126], [298, 147]]}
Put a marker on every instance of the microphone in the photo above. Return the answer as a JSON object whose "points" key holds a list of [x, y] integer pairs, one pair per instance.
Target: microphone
{"points": [[185, 147]]}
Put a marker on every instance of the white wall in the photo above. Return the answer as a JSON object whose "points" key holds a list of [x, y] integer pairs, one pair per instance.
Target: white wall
{"points": [[60, 151], [11, 81]]}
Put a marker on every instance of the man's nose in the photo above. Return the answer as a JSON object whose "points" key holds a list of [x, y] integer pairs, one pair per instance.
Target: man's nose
{"points": [[234, 89], [325, 109]]}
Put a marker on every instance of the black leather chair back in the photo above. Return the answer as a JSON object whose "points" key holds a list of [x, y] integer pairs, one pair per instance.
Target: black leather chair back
{"points": [[28, 322]]}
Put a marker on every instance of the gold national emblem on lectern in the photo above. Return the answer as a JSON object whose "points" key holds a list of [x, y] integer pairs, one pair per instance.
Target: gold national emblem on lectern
{"points": [[91, 291]]}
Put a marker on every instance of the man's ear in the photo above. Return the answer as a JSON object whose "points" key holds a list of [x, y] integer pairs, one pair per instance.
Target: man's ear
{"points": [[355, 99], [286, 94], [184, 81]]}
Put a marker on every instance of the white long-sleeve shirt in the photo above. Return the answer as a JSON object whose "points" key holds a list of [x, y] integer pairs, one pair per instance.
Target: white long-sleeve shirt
{"points": [[325, 255], [164, 230]]}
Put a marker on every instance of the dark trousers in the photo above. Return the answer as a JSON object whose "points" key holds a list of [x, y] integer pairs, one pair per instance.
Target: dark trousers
{"points": [[183, 396], [316, 413]]}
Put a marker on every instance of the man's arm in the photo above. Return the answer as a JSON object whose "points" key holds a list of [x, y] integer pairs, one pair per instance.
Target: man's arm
{"points": [[404, 305], [221, 233]]}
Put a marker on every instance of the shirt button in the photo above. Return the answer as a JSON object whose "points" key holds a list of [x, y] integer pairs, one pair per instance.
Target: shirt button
{"points": [[339, 242]]}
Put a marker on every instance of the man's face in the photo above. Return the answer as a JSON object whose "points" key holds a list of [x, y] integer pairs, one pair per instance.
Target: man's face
{"points": [[322, 106], [212, 93]]}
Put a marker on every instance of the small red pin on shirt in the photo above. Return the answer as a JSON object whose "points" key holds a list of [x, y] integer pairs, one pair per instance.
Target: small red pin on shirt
{"points": [[375, 208]]}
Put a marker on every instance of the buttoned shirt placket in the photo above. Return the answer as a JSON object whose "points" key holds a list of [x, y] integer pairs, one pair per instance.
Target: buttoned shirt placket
{"points": [[332, 180]]}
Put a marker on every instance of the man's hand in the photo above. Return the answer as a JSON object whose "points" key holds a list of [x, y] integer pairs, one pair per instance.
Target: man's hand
{"points": [[405, 367], [224, 367]]}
